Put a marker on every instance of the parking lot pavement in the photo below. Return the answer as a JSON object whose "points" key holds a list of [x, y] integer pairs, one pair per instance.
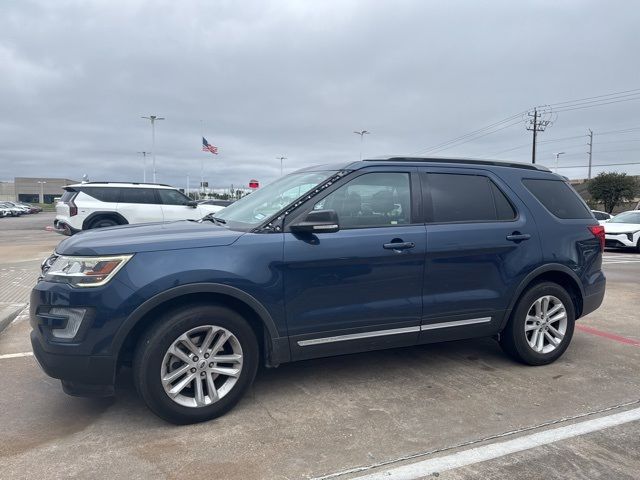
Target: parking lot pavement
{"points": [[23, 245], [354, 415]]}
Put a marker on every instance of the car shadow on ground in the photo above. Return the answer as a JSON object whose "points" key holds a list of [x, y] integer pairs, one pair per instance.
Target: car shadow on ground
{"points": [[348, 373]]}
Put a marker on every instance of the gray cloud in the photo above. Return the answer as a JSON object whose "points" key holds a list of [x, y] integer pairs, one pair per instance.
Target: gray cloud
{"points": [[296, 78]]}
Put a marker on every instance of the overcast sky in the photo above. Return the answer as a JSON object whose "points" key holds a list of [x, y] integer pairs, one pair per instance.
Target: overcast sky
{"points": [[297, 78]]}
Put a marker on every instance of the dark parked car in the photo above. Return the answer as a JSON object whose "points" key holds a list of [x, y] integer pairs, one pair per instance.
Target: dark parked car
{"points": [[328, 260]]}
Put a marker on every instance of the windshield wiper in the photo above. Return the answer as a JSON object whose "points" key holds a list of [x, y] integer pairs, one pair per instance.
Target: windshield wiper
{"points": [[213, 219]]}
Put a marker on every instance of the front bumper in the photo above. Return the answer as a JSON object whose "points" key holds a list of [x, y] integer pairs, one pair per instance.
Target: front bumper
{"points": [[620, 240], [87, 363], [81, 375]]}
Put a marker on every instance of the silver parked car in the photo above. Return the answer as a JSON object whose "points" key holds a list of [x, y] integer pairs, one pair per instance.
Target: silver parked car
{"points": [[14, 211]]}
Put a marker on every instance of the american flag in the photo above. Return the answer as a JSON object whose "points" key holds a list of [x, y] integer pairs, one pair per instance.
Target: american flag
{"points": [[206, 147]]}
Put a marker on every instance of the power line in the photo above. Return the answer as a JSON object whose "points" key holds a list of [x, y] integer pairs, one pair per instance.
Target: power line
{"points": [[597, 96], [477, 137], [597, 104], [623, 131], [470, 134], [569, 105], [602, 165]]}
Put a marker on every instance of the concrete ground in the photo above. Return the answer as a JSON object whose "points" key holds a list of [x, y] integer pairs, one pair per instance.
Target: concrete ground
{"points": [[344, 417]]}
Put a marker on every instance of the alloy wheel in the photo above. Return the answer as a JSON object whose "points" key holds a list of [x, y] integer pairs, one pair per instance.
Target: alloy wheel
{"points": [[201, 366], [546, 324]]}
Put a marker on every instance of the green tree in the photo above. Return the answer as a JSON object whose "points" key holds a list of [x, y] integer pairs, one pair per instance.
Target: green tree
{"points": [[611, 189]]}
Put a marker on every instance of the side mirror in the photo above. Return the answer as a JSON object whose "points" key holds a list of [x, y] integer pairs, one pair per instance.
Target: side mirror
{"points": [[318, 221], [192, 204]]}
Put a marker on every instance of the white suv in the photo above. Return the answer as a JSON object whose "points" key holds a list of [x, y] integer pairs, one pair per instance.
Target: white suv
{"points": [[102, 204]]}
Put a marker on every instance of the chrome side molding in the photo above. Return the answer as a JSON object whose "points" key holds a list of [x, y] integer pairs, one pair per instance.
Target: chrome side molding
{"points": [[392, 331]]}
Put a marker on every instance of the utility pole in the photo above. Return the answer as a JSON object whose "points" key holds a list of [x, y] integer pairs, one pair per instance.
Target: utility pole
{"points": [[144, 171], [153, 119], [281, 159], [558, 156], [362, 133], [590, 152], [538, 122]]}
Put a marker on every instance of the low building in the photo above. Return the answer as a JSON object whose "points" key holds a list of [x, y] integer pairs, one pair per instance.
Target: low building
{"points": [[39, 190], [7, 191]]}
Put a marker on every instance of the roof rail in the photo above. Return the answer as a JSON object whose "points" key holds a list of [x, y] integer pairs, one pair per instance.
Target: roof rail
{"points": [[471, 161], [130, 183]]}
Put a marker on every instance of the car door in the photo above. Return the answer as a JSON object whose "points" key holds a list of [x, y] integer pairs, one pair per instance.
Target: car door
{"points": [[139, 205], [481, 242], [359, 288], [175, 206]]}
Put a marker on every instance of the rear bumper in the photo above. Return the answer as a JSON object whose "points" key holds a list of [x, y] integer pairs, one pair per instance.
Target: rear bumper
{"points": [[64, 228], [592, 301]]}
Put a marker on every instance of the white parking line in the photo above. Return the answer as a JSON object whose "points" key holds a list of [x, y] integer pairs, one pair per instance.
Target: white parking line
{"points": [[16, 355], [614, 262], [500, 449]]}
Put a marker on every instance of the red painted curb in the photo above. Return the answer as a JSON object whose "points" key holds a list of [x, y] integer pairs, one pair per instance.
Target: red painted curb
{"points": [[610, 336]]}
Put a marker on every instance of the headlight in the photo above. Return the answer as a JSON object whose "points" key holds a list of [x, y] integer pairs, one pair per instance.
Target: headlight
{"points": [[84, 271]]}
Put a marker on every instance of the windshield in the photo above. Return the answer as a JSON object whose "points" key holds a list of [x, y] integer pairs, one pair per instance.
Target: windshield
{"points": [[252, 210], [626, 217]]}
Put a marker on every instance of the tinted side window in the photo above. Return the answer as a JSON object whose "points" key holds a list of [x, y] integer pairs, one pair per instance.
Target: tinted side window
{"points": [[104, 194], [600, 215], [371, 200], [172, 197], [67, 195], [137, 195], [558, 197], [467, 198], [504, 209]]}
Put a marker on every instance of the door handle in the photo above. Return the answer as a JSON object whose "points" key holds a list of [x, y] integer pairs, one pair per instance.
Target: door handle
{"points": [[398, 245], [518, 237]]}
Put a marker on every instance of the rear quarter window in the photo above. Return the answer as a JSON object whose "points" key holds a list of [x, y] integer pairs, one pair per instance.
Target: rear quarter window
{"points": [[558, 197], [67, 195], [104, 194]]}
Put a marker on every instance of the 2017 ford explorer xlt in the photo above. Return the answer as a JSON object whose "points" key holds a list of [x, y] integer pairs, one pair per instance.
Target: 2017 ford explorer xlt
{"points": [[326, 261]]}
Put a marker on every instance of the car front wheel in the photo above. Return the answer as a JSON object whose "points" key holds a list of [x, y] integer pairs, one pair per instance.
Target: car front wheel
{"points": [[541, 325], [195, 363]]}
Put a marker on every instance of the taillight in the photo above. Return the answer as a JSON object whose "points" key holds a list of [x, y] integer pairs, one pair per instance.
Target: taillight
{"points": [[73, 210], [598, 232]]}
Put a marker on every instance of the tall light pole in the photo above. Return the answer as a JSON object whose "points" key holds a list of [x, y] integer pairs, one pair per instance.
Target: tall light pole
{"points": [[41, 182], [281, 160], [144, 171], [153, 119], [362, 133], [558, 156], [590, 152]]}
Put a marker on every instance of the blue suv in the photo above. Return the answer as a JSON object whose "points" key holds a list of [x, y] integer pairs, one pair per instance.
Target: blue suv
{"points": [[328, 260]]}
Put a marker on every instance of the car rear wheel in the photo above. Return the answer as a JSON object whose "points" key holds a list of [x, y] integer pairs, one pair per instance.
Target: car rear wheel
{"points": [[103, 223], [541, 325], [195, 363]]}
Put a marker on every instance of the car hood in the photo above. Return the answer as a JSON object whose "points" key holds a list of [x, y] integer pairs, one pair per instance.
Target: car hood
{"points": [[147, 237], [621, 227]]}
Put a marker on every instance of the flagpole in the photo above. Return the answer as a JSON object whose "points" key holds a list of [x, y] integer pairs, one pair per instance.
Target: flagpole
{"points": [[201, 161]]}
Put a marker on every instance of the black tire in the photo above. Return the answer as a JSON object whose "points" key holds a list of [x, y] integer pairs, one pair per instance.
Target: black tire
{"points": [[513, 339], [155, 342], [103, 223]]}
